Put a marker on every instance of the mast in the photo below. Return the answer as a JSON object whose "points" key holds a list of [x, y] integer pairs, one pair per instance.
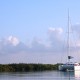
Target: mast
{"points": [[68, 39]]}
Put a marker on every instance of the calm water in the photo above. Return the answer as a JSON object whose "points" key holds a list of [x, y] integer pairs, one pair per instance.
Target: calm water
{"points": [[46, 75]]}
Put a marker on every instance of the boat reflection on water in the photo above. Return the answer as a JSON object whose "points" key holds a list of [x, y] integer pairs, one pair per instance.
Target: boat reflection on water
{"points": [[71, 75], [77, 75]]}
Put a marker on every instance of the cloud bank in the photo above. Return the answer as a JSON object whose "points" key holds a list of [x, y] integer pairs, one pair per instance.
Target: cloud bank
{"points": [[12, 50]]}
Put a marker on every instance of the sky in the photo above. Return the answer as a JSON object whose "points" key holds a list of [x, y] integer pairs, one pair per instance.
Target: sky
{"points": [[35, 31]]}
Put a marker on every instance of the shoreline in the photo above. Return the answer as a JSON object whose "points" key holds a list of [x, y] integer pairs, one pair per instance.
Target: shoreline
{"points": [[27, 67]]}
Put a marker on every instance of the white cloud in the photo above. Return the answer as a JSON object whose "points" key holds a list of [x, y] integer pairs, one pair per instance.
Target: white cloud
{"points": [[37, 51], [13, 40], [56, 31], [55, 39], [76, 30], [78, 43], [76, 27], [76, 34]]}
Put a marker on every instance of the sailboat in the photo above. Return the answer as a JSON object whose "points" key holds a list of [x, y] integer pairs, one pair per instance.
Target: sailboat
{"points": [[69, 66]]}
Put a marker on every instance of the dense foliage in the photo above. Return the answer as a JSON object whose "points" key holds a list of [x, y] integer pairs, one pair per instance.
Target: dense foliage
{"points": [[21, 67]]}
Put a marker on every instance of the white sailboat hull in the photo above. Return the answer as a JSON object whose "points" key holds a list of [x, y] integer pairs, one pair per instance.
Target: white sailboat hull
{"points": [[66, 67], [77, 68], [69, 67]]}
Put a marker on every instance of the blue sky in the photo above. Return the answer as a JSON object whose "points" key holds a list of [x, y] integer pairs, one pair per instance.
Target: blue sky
{"points": [[30, 19]]}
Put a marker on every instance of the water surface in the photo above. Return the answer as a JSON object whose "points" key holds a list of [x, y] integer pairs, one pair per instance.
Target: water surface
{"points": [[45, 75]]}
